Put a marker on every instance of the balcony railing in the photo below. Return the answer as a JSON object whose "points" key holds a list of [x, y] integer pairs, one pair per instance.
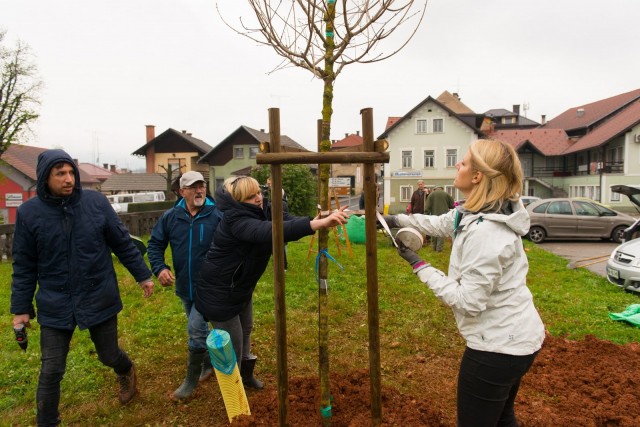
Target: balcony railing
{"points": [[591, 169]]}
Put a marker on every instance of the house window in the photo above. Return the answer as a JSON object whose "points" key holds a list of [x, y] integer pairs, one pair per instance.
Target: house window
{"points": [[614, 197], [219, 182], [175, 165], [405, 193], [421, 126], [407, 162], [451, 190], [452, 157], [238, 153], [438, 125], [429, 158], [253, 151]]}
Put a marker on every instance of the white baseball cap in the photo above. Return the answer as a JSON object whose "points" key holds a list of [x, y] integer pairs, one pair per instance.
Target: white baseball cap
{"points": [[190, 178]]}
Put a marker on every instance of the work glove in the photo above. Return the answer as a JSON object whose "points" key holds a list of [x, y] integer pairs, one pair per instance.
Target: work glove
{"points": [[412, 258], [391, 220]]}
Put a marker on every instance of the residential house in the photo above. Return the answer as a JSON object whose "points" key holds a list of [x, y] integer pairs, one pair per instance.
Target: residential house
{"points": [[236, 154], [135, 183], [584, 151], [426, 143], [500, 118], [353, 171], [173, 151], [18, 178]]}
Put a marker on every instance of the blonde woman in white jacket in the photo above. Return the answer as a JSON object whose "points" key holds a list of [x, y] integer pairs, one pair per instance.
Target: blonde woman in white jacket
{"points": [[486, 285]]}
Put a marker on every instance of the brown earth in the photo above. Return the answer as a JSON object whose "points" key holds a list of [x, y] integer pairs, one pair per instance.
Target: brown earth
{"points": [[572, 383]]}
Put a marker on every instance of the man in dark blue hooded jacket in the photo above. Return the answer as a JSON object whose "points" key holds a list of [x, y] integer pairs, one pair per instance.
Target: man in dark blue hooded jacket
{"points": [[62, 247], [188, 228]]}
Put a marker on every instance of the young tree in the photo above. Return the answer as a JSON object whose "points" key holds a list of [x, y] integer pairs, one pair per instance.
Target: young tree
{"points": [[19, 91], [323, 37]]}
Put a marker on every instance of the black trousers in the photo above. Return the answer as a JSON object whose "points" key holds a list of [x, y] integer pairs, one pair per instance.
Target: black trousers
{"points": [[487, 387]]}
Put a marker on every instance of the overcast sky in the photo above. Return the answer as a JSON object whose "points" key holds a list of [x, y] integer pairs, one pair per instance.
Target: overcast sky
{"points": [[110, 67]]}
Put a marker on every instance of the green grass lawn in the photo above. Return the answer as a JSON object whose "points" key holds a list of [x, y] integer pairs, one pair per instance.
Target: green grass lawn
{"points": [[572, 303]]}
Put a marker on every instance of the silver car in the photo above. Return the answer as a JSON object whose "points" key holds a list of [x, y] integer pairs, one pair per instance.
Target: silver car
{"points": [[566, 218], [623, 267]]}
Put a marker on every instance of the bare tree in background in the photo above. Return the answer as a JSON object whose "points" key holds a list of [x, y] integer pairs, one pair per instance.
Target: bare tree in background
{"points": [[323, 37], [19, 91]]}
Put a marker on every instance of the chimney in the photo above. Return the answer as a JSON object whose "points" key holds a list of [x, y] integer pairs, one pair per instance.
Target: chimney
{"points": [[184, 131], [516, 109], [151, 132], [358, 132], [262, 130], [456, 96], [105, 166], [580, 112], [543, 120], [113, 168], [346, 134]]}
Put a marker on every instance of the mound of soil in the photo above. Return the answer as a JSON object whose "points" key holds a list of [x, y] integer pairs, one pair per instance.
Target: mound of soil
{"points": [[572, 383]]}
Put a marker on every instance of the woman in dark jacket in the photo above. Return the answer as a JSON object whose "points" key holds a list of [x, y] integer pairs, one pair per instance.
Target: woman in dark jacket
{"points": [[238, 257]]}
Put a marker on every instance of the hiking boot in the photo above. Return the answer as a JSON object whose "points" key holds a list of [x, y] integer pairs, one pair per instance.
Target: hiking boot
{"points": [[128, 387]]}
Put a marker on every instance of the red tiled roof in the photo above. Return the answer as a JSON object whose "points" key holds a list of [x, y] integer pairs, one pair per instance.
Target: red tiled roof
{"points": [[391, 121], [549, 142], [352, 140], [23, 158], [611, 128], [591, 113]]}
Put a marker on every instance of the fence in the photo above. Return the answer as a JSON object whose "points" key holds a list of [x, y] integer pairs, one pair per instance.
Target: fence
{"points": [[138, 224]]}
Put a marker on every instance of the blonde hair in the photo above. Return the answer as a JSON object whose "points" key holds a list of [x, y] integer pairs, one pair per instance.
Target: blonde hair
{"points": [[502, 180], [241, 187]]}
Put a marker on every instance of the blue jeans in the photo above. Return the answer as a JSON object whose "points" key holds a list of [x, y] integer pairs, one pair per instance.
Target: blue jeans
{"points": [[487, 387], [197, 327], [54, 345]]}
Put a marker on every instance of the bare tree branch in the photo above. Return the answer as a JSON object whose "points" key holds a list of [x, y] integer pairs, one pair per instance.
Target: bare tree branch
{"points": [[295, 30], [19, 90]]}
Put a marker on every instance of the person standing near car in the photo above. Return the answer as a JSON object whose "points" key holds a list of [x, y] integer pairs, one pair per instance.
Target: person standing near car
{"points": [[188, 228], [486, 285], [62, 249]]}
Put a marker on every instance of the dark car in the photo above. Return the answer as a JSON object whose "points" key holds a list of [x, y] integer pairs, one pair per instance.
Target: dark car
{"points": [[566, 218]]}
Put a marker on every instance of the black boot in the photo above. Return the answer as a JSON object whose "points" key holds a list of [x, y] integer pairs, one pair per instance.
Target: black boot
{"points": [[246, 372], [194, 369], [207, 369]]}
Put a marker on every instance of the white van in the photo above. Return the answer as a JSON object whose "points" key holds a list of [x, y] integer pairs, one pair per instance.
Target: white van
{"points": [[120, 202]]}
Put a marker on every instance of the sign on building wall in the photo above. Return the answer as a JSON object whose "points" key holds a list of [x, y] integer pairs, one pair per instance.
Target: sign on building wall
{"points": [[406, 173], [13, 200]]}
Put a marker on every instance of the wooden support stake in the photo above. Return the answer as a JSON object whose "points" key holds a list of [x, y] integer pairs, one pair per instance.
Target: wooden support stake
{"points": [[370, 188]]}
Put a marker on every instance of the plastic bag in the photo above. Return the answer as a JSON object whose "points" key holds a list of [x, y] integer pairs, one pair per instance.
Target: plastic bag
{"points": [[631, 315], [355, 229]]}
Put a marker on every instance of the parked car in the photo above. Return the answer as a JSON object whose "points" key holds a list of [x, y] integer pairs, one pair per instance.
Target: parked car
{"points": [[567, 218], [623, 267], [633, 193], [527, 200]]}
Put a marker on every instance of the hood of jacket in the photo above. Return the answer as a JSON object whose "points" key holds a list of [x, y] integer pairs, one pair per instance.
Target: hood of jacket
{"points": [[228, 205], [512, 214], [46, 161]]}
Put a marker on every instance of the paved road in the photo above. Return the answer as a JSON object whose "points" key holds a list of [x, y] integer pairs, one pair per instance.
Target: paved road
{"points": [[582, 252]]}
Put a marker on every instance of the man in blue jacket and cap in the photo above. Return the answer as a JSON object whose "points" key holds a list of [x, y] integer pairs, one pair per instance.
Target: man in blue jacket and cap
{"points": [[62, 247], [188, 228]]}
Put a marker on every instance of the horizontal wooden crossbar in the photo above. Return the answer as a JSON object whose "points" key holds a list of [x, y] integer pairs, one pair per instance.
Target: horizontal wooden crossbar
{"points": [[321, 158]]}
